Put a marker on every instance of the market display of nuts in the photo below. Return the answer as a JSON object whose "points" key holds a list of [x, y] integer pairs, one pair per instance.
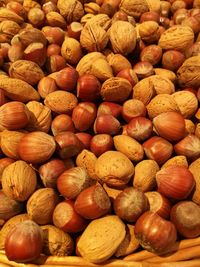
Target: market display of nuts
{"points": [[99, 132]]}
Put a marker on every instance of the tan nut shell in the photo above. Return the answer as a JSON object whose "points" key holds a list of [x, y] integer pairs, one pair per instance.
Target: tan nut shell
{"points": [[189, 73], [176, 160], [55, 19], [61, 101], [18, 90], [162, 85], [177, 37], [27, 71], [101, 20], [161, 103], [114, 168], [41, 204], [101, 238], [6, 14], [166, 74], [145, 175], [129, 147], [187, 103], [71, 50], [195, 170], [87, 159], [122, 37], [40, 117], [116, 89], [71, 10], [19, 180], [144, 90]]}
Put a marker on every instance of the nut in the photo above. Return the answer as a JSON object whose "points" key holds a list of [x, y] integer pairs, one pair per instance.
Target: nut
{"points": [[40, 117], [118, 63], [95, 244], [27, 71], [55, 19], [8, 29], [177, 160], [71, 50], [177, 37], [6, 14], [19, 180], [162, 85], [71, 10], [93, 37], [122, 37], [144, 90], [149, 31], [116, 89], [101, 20], [189, 73], [61, 101], [161, 103], [195, 170]]}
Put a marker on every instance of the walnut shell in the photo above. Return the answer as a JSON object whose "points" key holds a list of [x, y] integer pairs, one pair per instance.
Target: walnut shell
{"points": [[56, 242], [149, 31], [144, 90], [40, 117], [71, 10], [61, 101], [177, 37], [162, 85], [95, 244], [27, 71], [189, 73], [116, 89], [101, 20], [122, 37], [195, 170], [136, 8], [8, 29], [93, 37], [166, 74], [71, 50], [41, 204], [187, 103], [19, 180], [161, 103], [114, 168]]}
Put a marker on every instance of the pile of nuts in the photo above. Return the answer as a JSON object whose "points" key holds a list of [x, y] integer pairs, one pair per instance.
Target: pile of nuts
{"points": [[99, 127]]}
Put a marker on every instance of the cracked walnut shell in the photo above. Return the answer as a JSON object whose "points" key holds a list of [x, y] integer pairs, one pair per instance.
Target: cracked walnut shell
{"points": [[71, 10]]}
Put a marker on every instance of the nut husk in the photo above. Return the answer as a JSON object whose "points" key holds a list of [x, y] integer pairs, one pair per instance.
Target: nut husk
{"points": [[56, 241], [19, 180], [95, 244], [41, 204]]}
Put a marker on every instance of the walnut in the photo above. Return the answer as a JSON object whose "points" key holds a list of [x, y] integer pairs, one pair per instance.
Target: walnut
{"points": [[71, 10], [93, 37], [101, 20], [8, 29], [177, 37], [189, 73], [136, 8], [122, 37], [149, 31], [55, 19]]}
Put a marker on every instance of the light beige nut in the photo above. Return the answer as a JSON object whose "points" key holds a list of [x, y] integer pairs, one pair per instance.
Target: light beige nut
{"points": [[71, 10], [118, 63], [101, 20], [144, 90], [129, 147], [189, 73], [61, 102], [149, 31], [195, 170], [92, 8], [28, 4], [101, 69], [122, 37], [145, 175], [27, 71], [116, 89], [101, 238], [93, 37], [55, 19], [177, 37], [162, 85], [40, 117], [71, 50], [136, 8], [161, 103], [166, 74], [187, 103], [87, 159], [176, 160], [8, 29], [6, 14], [18, 90], [114, 168], [190, 127]]}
